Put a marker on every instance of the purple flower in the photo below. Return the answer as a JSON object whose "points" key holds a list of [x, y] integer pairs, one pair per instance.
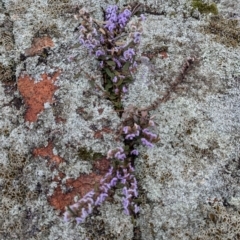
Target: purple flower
{"points": [[127, 13], [124, 17], [131, 168], [134, 191], [126, 129], [81, 40], [84, 213], [151, 123], [136, 209], [125, 202], [66, 216], [143, 18], [146, 142], [124, 89], [130, 136], [101, 198], [145, 130], [111, 8], [99, 53], [117, 62], [152, 136], [115, 79], [128, 54], [102, 39], [126, 211], [136, 38], [134, 152], [126, 193], [110, 26], [120, 156], [122, 21], [113, 182], [79, 220]]}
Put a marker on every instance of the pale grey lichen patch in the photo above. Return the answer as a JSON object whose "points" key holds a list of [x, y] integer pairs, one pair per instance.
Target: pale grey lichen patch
{"points": [[117, 224]]}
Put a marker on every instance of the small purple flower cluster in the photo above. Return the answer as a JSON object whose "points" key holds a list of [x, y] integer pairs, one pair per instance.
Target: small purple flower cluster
{"points": [[147, 137], [117, 153], [116, 57], [116, 20], [82, 208], [129, 193]]}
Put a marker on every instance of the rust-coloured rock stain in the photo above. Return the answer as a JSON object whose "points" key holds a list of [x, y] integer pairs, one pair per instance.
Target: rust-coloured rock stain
{"points": [[36, 94], [47, 152], [163, 54], [80, 186], [38, 45], [99, 133]]}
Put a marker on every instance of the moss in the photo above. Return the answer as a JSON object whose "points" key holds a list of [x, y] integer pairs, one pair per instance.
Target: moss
{"points": [[225, 31], [204, 7], [89, 155]]}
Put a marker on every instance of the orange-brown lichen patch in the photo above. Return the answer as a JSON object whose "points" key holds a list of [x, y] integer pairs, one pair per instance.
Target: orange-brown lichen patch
{"points": [[80, 186], [36, 94], [47, 152], [38, 45], [101, 165]]}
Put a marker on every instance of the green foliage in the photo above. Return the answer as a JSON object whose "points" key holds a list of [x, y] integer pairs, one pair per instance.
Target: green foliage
{"points": [[88, 155], [204, 7]]}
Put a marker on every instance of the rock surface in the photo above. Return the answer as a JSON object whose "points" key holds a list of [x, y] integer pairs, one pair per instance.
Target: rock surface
{"points": [[56, 128]]}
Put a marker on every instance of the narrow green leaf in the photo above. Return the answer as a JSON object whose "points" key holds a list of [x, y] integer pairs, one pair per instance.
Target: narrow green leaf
{"points": [[111, 63], [109, 73], [118, 105], [108, 86], [112, 97], [119, 83], [126, 66], [128, 80]]}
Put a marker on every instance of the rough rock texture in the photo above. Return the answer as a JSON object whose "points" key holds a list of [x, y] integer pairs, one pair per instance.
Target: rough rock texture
{"points": [[189, 182]]}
